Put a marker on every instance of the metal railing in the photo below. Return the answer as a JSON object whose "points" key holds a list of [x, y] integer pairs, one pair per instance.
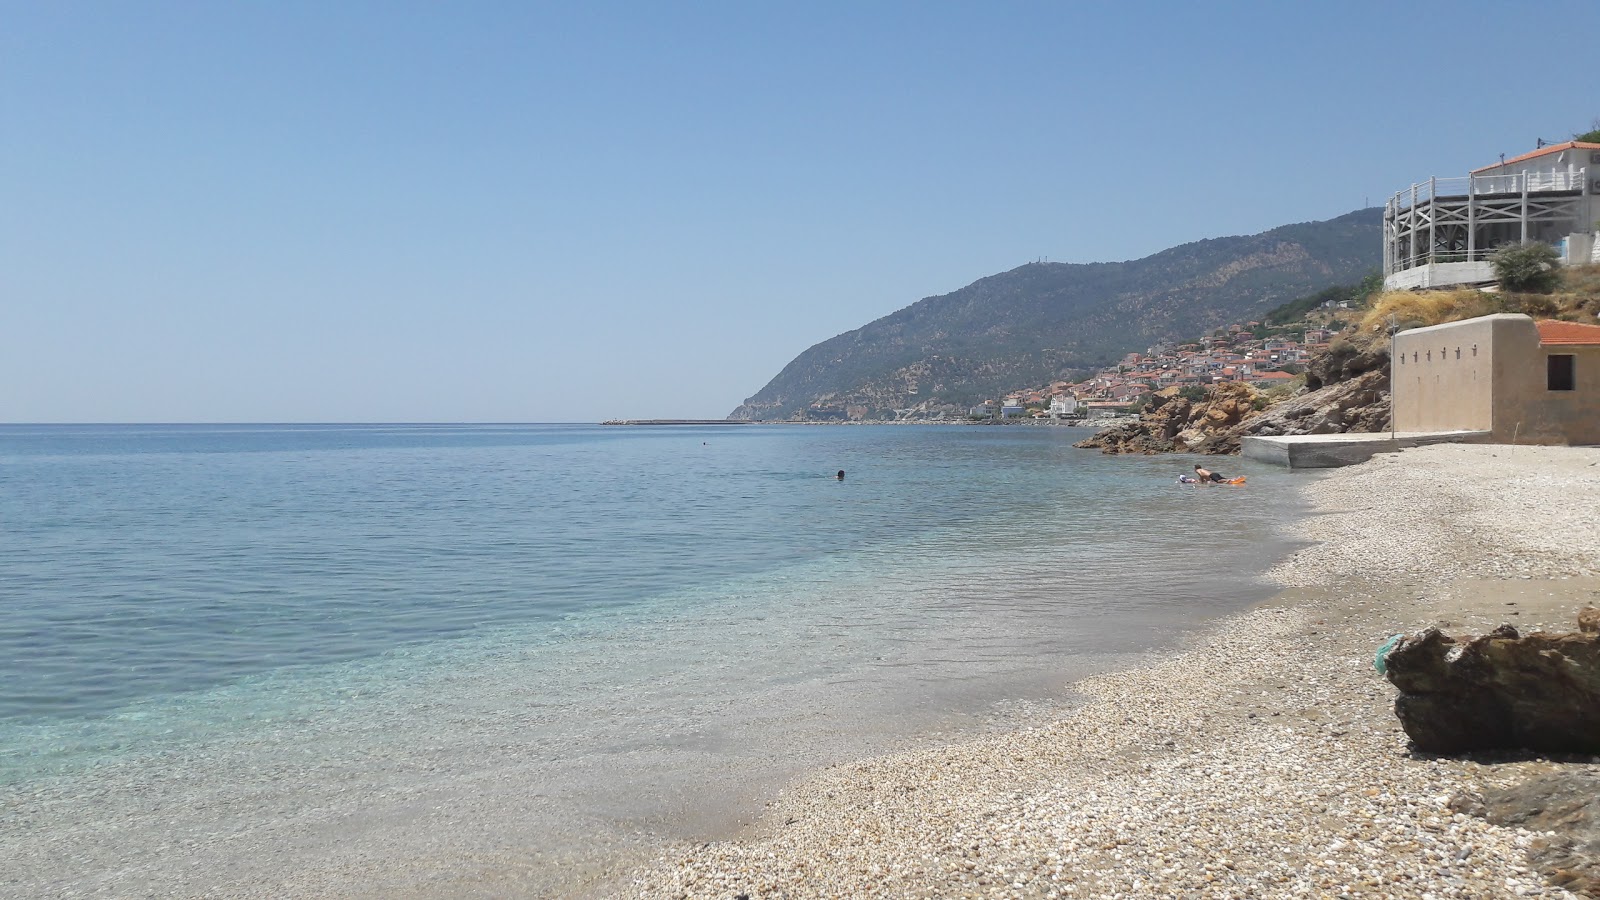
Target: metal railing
{"points": [[1488, 186], [1402, 263], [1481, 254]]}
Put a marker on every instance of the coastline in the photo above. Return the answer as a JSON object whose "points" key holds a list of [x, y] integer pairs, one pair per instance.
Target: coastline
{"points": [[1099, 423], [492, 764], [1261, 761]]}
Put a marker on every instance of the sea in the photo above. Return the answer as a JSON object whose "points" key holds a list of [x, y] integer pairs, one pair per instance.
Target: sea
{"points": [[492, 660]]}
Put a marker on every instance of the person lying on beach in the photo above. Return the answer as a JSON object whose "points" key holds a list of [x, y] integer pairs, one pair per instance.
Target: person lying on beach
{"points": [[1208, 475]]}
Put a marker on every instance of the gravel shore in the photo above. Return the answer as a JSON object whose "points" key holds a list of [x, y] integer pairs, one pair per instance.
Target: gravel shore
{"points": [[1260, 760]]}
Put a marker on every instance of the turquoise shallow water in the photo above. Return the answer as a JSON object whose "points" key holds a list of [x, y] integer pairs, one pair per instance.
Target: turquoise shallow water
{"points": [[549, 643]]}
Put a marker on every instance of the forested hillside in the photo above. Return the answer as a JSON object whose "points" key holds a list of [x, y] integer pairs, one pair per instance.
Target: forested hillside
{"points": [[1045, 321]]}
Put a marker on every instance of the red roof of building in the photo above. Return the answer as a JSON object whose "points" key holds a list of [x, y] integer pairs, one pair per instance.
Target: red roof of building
{"points": [[1547, 148], [1554, 332]]}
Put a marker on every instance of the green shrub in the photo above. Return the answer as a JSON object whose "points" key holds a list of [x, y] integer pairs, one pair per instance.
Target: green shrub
{"points": [[1529, 268], [1278, 393]]}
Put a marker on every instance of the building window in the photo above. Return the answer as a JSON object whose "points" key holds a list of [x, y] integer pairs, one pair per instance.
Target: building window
{"points": [[1558, 373]]}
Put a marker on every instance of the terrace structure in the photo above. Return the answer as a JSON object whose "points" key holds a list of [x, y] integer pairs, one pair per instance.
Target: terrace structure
{"points": [[1439, 233]]}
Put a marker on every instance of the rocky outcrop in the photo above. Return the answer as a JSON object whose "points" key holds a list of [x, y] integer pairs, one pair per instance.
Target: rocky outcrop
{"points": [[1175, 422], [1349, 356], [1360, 404], [1347, 390], [1219, 423], [1503, 690]]}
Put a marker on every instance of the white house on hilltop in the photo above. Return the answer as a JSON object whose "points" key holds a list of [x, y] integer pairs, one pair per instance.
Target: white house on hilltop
{"points": [[1440, 232]]}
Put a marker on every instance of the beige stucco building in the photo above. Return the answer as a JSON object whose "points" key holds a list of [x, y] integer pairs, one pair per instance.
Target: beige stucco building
{"points": [[1517, 379]]}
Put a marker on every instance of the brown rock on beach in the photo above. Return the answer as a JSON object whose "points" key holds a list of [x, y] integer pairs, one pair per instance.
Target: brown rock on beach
{"points": [[1501, 691]]}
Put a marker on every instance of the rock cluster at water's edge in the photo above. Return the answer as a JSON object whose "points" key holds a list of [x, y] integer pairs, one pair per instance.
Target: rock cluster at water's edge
{"points": [[1173, 423]]}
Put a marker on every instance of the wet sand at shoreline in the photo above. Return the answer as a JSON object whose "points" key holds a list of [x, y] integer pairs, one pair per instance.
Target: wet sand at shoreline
{"points": [[1261, 759]]}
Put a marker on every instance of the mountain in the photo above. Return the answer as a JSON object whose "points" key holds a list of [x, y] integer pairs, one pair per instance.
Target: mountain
{"points": [[1044, 322]]}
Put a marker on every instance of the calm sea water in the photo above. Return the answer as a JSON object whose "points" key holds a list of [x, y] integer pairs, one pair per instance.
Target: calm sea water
{"points": [[399, 659]]}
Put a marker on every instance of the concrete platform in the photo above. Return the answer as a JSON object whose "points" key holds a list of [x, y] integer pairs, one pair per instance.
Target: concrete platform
{"points": [[1327, 451]]}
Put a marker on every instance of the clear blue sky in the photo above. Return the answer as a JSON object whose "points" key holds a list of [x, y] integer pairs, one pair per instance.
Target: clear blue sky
{"points": [[216, 212]]}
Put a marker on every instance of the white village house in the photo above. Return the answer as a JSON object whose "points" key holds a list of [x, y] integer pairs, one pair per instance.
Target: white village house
{"points": [[1062, 405]]}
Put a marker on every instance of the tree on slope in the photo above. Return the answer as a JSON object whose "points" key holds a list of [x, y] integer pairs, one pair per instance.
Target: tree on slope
{"points": [[1528, 269]]}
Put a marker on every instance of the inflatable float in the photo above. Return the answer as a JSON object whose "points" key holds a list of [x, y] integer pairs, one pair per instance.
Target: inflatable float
{"points": [[1190, 479]]}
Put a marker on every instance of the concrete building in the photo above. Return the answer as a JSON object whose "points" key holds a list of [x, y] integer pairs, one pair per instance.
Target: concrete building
{"points": [[1439, 233], [1506, 375]]}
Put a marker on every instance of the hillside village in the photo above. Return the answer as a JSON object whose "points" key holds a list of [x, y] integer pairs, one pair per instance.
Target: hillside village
{"points": [[1270, 356], [1250, 353]]}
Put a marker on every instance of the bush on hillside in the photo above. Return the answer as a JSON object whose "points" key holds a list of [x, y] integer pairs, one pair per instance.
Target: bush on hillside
{"points": [[1540, 306], [1278, 393], [1529, 268], [1577, 298], [1295, 310], [1582, 281]]}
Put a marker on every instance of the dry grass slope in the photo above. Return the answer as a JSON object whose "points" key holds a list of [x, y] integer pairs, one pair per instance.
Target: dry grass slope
{"points": [[1577, 299]]}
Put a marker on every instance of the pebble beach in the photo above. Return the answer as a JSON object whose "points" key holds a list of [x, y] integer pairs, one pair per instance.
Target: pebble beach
{"points": [[1260, 758]]}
